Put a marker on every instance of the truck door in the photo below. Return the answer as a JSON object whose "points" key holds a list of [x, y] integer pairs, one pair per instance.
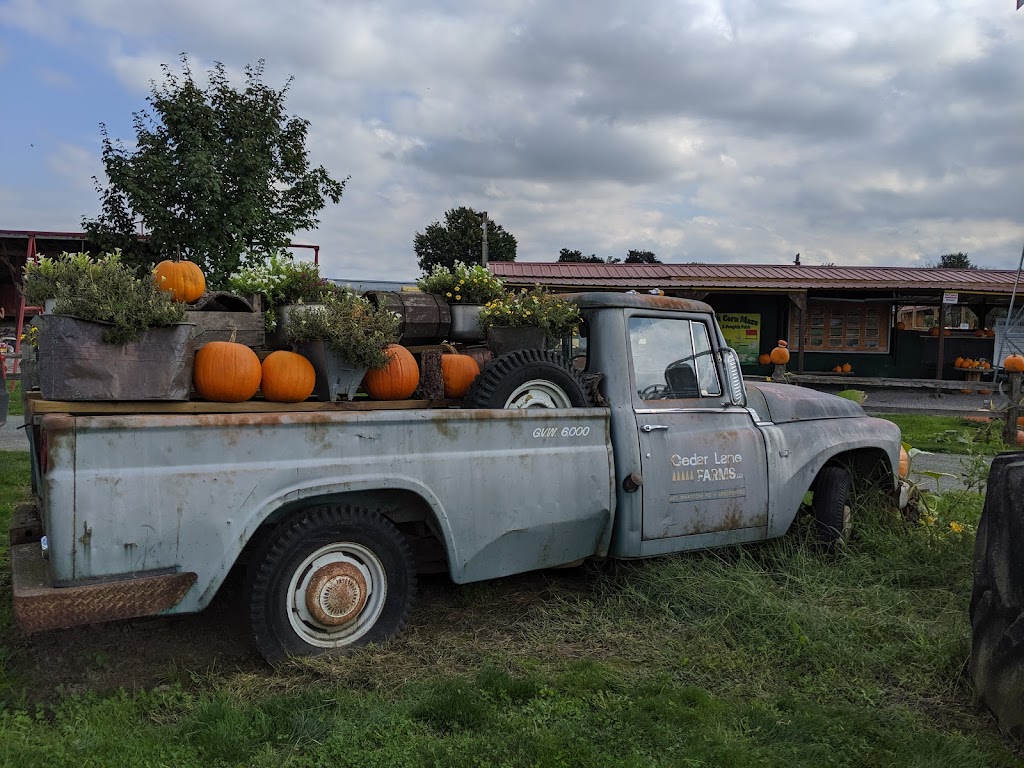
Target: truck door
{"points": [[703, 461]]}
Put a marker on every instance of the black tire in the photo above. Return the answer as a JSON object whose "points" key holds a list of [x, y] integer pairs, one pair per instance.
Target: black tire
{"points": [[354, 556], [830, 507], [529, 378]]}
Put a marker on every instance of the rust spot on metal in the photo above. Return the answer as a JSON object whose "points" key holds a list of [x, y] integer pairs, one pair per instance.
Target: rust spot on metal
{"points": [[86, 536], [336, 594]]}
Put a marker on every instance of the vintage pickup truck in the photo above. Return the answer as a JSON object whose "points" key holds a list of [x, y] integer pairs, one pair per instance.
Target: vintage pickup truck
{"points": [[333, 507]]}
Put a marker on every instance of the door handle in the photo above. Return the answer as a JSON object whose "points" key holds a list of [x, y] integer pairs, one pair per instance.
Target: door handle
{"points": [[652, 427]]}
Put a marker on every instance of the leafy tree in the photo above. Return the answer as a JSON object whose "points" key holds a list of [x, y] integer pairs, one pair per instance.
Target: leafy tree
{"points": [[460, 238], [565, 255], [219, 175], [955, 261], [642, 257]]}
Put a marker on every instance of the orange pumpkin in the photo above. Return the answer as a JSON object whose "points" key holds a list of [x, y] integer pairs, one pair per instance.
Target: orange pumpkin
{"points": [[1020, 438], [904, 462], [782, 343], [764, 359], [226, 372], [288, 377], [457, 373], [958, 363], [397, 380], [780, 356], [847, 367], [933, 331], [184, 279], [901, 326], [1014, 363]]}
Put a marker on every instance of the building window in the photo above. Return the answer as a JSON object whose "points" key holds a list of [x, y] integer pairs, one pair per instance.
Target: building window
{"points": [[842, 327]]}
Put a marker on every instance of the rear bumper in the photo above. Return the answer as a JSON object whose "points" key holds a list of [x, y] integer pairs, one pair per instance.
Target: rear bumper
{"points": [[39, 606]]}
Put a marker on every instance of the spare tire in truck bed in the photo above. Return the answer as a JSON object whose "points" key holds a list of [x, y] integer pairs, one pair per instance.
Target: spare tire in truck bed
{"points": [[529, 378]]}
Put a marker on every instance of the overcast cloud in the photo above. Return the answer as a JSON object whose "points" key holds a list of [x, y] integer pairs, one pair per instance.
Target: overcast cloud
{"points": [[855, 133]]}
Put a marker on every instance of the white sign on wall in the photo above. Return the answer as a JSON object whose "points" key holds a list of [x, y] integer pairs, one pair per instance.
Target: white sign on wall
{"points": [[949, 297]]}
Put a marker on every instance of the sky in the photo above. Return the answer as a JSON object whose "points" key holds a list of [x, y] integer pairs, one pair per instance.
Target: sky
{"points": [[716, 131]]}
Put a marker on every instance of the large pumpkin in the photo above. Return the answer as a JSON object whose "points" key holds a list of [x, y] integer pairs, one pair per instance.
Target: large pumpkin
{"points": [[184, 279], [288, 377], [780, 356], [397, 380], [226, 372], [457, 373], [1014, 363]]}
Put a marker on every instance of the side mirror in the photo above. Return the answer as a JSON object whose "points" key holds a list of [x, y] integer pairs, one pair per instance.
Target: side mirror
{"points": [[731, 365]]}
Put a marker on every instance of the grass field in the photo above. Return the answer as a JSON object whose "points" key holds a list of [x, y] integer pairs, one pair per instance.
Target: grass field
{"points": [[15, 408], [949, 434], [768, 655]]}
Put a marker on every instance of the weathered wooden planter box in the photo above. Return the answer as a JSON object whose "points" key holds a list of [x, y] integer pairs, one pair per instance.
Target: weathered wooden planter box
{"points": [[74, 363], [218, 315]]}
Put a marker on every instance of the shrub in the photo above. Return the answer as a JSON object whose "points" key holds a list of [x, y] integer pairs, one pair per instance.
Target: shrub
{"points": [[356, 330], [462, 284]]}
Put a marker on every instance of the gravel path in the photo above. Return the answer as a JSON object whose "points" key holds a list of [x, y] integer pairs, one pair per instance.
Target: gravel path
{"points": [[12, 438]]}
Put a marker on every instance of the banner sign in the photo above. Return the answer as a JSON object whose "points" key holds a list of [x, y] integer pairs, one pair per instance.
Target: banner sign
{"points": [[742, 331]]}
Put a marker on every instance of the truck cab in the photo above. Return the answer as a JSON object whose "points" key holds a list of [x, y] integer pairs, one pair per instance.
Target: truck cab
{"points": [[702, 457]]}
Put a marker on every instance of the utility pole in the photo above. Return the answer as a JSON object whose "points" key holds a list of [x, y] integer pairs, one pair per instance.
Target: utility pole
{"points": [[483, 260]]}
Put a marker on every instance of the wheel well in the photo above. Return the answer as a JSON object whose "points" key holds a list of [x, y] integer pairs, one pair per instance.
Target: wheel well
{"points": [[409, 512], [868, 467]]}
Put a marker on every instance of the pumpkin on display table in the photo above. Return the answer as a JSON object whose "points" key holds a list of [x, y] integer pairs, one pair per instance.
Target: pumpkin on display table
{"points": [[397, 380], [183, 279], [1014, 363], [457, 373], [287, 377], [226, 372], [780, 355]]}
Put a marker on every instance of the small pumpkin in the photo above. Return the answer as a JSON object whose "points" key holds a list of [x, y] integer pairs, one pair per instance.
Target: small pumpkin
{"points": [[901, 326], [933, 331], [457, 373], [184, 279], [288, 377], [1014, 363], [780, 356], [397, 380], [764, 359], [904, 467], [226, 372], [958, 363], [847, 367]]}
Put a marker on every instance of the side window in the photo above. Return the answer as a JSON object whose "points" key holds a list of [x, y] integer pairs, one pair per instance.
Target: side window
{"points": [[707, 374], [672, 359]]}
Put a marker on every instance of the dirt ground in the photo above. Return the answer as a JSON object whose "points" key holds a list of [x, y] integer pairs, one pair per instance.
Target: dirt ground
{"points": [[145, 653]]}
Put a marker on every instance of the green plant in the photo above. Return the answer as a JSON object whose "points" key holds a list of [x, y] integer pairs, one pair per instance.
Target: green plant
{"points": [[42, 277], [462, 284], [355, 329], [106, 290], [534, 307], [281, 280]]}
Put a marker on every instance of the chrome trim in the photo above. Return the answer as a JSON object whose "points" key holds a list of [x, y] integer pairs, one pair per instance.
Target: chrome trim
{"points": [[649, 411]]}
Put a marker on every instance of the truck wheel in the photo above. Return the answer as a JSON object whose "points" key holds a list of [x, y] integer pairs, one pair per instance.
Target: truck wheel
{"points": [[831, 507], [528, 378], [333, 578]]}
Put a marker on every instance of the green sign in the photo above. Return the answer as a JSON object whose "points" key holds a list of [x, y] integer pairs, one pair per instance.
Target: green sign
{"points": [[742, 331]]}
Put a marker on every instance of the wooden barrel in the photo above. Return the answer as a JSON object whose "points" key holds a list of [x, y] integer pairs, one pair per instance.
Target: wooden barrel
{"points": [[424, 317]]}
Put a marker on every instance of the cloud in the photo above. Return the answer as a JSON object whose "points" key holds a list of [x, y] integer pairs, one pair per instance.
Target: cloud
{"points": [[703, 130]]}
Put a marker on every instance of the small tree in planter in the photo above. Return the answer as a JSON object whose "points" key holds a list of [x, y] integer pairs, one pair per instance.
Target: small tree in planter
{"points": [[342, 338]]}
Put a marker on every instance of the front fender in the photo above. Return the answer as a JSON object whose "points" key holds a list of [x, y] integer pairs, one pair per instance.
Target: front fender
{"points": [[797, 451]]}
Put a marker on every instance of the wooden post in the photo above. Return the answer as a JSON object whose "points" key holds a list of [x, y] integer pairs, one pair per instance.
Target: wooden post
{"points": [[1013, 409]]}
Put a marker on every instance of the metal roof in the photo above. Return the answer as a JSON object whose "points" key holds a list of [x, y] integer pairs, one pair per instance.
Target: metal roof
{"points": [[753, 277]]}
